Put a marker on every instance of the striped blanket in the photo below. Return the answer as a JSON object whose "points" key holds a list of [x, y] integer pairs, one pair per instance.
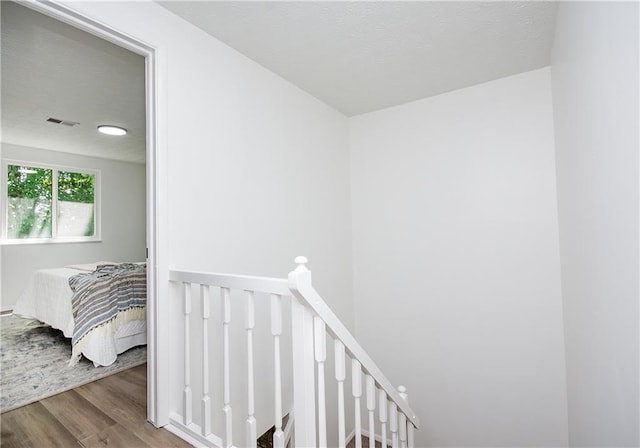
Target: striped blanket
{"points": [[103, 296]]}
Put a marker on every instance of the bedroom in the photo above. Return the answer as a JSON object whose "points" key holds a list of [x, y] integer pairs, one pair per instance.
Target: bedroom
{"points": [[261, 114], [41, 81]]}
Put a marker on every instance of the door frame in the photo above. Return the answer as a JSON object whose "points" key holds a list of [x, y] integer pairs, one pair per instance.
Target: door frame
{"points": [[157, 377]]}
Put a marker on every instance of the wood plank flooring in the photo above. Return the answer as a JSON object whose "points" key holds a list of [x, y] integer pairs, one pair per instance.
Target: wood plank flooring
{"points": [[110, 412]]}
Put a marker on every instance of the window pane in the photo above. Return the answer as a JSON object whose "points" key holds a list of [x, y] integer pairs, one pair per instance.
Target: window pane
{"points": [[29, 202], [76, 193]]}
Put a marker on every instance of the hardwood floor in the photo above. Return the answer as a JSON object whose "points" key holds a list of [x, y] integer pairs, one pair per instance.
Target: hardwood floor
{"points": [[110, 412]]}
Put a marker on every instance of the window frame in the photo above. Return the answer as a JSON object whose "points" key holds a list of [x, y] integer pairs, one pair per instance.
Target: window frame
{"points": [[55, 239]]}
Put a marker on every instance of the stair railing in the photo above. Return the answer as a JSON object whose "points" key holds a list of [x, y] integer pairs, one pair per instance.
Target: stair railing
{"points": [[313, 320], [312, 323]]}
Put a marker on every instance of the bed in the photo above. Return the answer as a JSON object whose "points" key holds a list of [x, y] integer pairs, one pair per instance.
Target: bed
{"points": [[104, 314]]}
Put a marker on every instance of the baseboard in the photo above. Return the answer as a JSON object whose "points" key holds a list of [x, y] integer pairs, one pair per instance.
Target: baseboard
{"points": [[365, 433], [191, 433]]}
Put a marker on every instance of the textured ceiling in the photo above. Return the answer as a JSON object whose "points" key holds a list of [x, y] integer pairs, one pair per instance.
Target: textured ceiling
{"points": [[368, 55], [50, 69], [355, 56]]}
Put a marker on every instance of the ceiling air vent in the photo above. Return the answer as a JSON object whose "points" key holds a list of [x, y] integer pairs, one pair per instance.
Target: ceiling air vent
{"points": [[63, 122]]}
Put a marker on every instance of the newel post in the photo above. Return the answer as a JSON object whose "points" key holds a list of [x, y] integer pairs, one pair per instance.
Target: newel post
{"points": [[303, 357], [406, 428]]}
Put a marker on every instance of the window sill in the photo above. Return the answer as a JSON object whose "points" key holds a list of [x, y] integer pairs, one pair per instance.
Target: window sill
{"points": [[30, 242]]}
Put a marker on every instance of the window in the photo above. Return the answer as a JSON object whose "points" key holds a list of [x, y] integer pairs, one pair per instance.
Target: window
{"points": [[49, 204]]}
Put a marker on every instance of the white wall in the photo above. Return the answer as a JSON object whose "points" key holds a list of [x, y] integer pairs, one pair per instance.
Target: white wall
{"points": [[263, 165], [123, 221], [456, 261], [595, 98], [256, 172], [455, 246]]}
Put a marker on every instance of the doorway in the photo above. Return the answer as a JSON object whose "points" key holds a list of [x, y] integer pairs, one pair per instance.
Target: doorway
{"points": [[149, 249]]}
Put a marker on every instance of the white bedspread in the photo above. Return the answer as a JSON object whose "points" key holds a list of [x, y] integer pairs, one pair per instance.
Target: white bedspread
{"points": [[47, 297]]}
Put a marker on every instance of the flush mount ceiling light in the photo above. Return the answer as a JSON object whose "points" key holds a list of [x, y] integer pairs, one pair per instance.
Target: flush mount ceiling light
{"points": [[111, 130]]}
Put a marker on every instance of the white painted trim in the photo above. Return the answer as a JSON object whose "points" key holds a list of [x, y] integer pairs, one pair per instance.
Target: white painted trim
{"points": [[288, 429], [158, 246], [55, 169], [304, 429], [157, 359], [242, 282], [365, 434], [192, 433]]}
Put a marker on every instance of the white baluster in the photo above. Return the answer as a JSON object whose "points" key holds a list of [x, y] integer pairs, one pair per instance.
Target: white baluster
{"points": [[402, 391], [356, 386], [410, 435], [393, 424], [402, 429], [187, 410], [225, 296], [276, 331], [340, 371], [320, 342], [252, 436], [383, 405], [206, 400], [371, 407]]}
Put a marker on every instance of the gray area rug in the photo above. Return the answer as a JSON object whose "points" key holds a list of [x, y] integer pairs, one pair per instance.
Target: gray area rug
{"points": [[35, 363]]}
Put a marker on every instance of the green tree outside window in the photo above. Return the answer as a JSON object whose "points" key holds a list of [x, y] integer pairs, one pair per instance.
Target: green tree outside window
{"points": [[29, 204], [30, 199]]}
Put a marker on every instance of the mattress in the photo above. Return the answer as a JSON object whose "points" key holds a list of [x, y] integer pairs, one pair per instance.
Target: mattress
{"points": [[47, 297]]}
